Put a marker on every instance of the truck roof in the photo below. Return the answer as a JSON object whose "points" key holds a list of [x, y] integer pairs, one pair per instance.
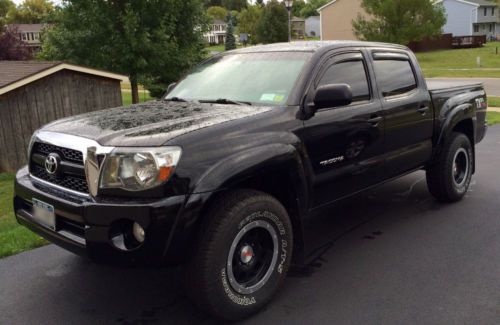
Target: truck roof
{"points": [[313, 46]]}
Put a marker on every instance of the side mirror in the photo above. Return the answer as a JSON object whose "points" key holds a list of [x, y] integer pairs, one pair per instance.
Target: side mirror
{"points": [[332, 95], [171, 86]]}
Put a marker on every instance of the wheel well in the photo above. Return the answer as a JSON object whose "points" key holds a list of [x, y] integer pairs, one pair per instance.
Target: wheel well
{"points": [[466, 127]]}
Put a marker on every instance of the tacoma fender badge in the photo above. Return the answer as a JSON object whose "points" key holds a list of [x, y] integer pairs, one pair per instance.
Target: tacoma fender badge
{"points": [[332, 161]]}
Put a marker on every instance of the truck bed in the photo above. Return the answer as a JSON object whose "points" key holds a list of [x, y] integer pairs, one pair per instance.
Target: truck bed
{"points": [[440, 85]]}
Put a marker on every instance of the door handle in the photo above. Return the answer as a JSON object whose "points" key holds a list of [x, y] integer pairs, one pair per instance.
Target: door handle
{"points": [[375, 120], [423, 109]]}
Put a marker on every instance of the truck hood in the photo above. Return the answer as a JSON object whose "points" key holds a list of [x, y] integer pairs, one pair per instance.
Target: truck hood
{"points": [[150, 124]]}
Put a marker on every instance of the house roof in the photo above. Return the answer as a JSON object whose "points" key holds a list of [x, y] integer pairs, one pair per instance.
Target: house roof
{"points": [[326, 5], [15, 74], [298, 19], [483, 2], [219, 22], [27, 27], [475, 3]]}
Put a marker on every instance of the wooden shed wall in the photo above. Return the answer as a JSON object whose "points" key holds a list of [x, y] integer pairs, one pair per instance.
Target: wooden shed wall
{"points": [[65, 93]]}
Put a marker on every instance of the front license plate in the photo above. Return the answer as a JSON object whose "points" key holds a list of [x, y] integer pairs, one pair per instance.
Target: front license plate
{"points": [[44, 214]]}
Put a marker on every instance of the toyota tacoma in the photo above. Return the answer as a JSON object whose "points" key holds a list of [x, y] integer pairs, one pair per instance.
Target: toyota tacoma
{"points": [[220, 173]]}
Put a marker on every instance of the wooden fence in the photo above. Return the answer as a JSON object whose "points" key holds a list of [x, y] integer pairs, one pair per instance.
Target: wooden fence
{"points": [[460, 42], [447, 41]]}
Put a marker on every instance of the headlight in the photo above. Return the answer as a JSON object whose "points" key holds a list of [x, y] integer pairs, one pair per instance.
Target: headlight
{"points": [[138, 169]]}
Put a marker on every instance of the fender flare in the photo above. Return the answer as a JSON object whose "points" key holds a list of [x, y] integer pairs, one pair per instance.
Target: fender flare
{"points": [[241, 166], [454, 116]]}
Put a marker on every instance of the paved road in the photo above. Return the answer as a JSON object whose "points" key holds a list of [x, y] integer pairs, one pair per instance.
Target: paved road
{"points": [[393, 256], [492, 85]]}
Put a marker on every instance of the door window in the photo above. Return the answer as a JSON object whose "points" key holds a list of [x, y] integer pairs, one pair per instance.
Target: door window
{"points": [[394, 77], [352, 73]]}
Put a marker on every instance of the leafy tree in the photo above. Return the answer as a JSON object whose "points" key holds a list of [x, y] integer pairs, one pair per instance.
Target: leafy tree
{"points": [[5, 7], [259, 2], [31, 12], [248, 21], [12, 48], [153, 41], [298, 5], [399, 21], [217, 12], [311, 8], [212, 3], [230, 40], [273, 23], [234, 4]]}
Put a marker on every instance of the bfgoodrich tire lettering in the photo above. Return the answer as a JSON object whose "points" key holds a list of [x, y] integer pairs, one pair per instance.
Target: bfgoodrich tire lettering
{"points": [[242, 255], [448, 179]]}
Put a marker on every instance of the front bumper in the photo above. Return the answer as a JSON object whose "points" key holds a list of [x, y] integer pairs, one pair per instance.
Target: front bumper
{"points": [[83, 225]]}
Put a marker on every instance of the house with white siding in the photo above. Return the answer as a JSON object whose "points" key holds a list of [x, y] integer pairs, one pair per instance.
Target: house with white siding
{"points": [[471, 17]]}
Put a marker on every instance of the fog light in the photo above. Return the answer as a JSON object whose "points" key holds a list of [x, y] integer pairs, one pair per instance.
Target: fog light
{"points": [[139, 233]]}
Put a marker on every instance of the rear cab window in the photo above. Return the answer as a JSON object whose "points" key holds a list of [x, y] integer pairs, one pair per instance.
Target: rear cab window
{"points": [[394, 73]]}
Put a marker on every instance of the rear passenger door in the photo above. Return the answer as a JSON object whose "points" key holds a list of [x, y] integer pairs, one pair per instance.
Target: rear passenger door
{"points": [[407, 111], [345, 144]]}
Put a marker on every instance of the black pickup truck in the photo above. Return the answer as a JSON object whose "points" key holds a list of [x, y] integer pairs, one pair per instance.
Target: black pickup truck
{"points": [[221, 172]]}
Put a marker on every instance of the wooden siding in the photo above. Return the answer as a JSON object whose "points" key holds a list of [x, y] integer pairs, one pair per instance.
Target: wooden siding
{"points": [[65, 93]]}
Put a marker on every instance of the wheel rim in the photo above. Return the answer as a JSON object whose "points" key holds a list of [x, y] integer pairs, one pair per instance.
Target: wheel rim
{"points": [[460, 169], [252, 257]]}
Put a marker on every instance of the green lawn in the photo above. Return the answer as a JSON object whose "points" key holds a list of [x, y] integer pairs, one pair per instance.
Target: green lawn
{"points": [[436, 63], [493, 118], [13, 237], [493, 101], [127, 97]]}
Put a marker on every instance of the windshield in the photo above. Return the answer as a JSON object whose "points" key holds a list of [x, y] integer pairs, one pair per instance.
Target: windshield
{"points": [[262, 78]]}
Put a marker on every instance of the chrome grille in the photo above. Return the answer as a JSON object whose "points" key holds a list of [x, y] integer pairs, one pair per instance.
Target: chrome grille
{"points": [[72, 172]]}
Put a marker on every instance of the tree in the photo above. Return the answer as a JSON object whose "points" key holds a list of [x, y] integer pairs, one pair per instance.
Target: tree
{"points": [[5, 7], [153, 41], [212, 3], [298, 5], [234, 4], [248, 21], [273, 23], [12, 48], [399, 21], [31, 12], [259, 2], [311, 8], [217, 12], [230, 40]]}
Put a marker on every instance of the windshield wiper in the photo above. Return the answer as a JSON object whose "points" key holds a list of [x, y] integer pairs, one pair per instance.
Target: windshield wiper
{"points": [[176, 99], [225, 101]]}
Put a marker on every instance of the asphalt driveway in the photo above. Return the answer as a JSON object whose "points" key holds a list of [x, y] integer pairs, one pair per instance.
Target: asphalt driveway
{"points": [[389, 256]]}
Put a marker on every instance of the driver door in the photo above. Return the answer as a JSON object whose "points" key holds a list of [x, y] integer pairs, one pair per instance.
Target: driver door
{"points": [[345, 144]]}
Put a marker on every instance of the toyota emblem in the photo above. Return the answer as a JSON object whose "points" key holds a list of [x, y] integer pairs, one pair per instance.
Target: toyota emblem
{"points": [[52, 163]]}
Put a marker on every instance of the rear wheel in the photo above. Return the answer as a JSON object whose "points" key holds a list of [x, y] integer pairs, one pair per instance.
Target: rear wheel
{"points": [[242, 255], [448, 179]]}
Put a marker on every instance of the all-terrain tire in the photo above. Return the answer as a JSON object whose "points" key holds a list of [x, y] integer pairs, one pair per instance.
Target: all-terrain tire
{"points": [[448, 178], [240, 224]]}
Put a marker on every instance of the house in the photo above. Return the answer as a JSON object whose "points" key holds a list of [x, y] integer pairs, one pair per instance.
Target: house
{"points": [[336, 19], [471, 17], [313, 27], [298, 26], [217, 33], [35, 93], [30, 34]]}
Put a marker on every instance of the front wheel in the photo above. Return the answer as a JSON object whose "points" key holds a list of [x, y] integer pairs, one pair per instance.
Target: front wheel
{"points": [[448, 179], [242, 255]]}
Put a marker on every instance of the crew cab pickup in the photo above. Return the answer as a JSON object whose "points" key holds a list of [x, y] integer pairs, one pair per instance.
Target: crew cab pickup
{"points": [[220, 173]]}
